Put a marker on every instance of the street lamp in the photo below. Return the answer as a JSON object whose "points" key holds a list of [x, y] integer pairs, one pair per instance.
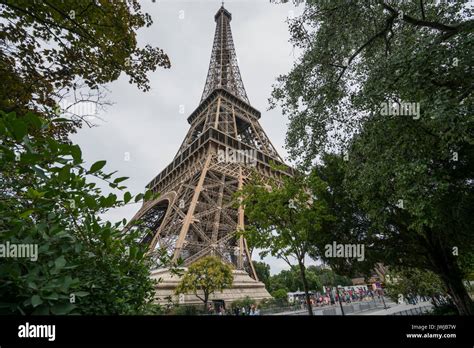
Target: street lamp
{"points": [[340, 302], [383, 300]]}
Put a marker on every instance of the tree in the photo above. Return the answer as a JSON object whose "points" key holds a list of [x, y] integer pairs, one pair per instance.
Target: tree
{"points": [[410, 172], [290, 280], [280, 296], [327, 277], [425, 206], [263, 272], [411, 282], [350, 224], [205, 277], [317, 277], [283, 216], [78, 263], [54, 50]]}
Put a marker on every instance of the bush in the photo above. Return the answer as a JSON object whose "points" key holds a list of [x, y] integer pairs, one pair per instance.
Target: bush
{"points": [[186, 310], [280, 296], [243, 302], [83, 265]]}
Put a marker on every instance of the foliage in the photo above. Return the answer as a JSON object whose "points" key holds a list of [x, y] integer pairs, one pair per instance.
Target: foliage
{"points": [[411, 175], [186, 310], [356, 55], [85, 265], [204, 277], [290, 280], [55, 50], [412, 281], [65, 52], [351, 224], [263, 272], [284, 216], [245, 302], [327, 277], [280, 296], [317, 277]]}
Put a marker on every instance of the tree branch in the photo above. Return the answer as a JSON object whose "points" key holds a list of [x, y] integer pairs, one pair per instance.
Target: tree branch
{"points": [[421, 23], [388, 25], [422, 7]]}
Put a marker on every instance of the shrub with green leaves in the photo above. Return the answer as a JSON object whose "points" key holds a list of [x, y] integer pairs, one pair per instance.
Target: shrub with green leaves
{"points": [[85, 265], [245, 302]]}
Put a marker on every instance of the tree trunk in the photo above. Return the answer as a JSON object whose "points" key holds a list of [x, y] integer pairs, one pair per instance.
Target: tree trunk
{"points": [[449, 272], [206, 298], [305, 286], [459, 294]]}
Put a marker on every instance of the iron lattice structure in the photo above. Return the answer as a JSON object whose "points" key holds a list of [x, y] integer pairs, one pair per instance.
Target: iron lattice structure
{"points": [[224, 70], [195, 214]]}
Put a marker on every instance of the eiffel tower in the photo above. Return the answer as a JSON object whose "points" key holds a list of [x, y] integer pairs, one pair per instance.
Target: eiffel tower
{"points": [[195, 215]]}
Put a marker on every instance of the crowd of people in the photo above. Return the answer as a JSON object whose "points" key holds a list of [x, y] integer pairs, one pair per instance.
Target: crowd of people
{"points": [[244, 311], [318, 299], [436, 299], [347, 296]]}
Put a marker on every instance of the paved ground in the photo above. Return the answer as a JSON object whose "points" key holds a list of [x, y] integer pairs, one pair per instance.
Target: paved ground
{"points": [[319, 310], [392, 308]]}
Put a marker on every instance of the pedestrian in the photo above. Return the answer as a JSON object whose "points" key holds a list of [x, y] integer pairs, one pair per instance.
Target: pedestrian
{"points": [[252, 310]]}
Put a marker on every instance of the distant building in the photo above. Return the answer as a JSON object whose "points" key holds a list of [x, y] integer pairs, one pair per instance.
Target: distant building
{"points": [[297, 296]]}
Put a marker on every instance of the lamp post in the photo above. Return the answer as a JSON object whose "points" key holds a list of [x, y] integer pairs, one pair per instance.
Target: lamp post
{"points": [[340, 302], [383, 300]]}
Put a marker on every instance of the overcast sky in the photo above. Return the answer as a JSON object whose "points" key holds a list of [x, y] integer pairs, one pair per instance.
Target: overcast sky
{"points": [[149, 126]]}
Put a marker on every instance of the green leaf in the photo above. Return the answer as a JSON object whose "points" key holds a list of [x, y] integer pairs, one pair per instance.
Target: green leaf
{"points": [[148, 195], [127, 197], [32, 285], [64, 174], [97, 166], [81, 293], [138, 197], [27, 213], [62, 308], [118, 180], [60, 262], [76, 153], [36, 300], [90, 202], [19, 129], [33, 120], [53, 296]]}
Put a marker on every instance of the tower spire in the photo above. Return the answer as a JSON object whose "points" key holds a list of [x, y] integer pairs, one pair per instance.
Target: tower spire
{"points": [[223, 69]]}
